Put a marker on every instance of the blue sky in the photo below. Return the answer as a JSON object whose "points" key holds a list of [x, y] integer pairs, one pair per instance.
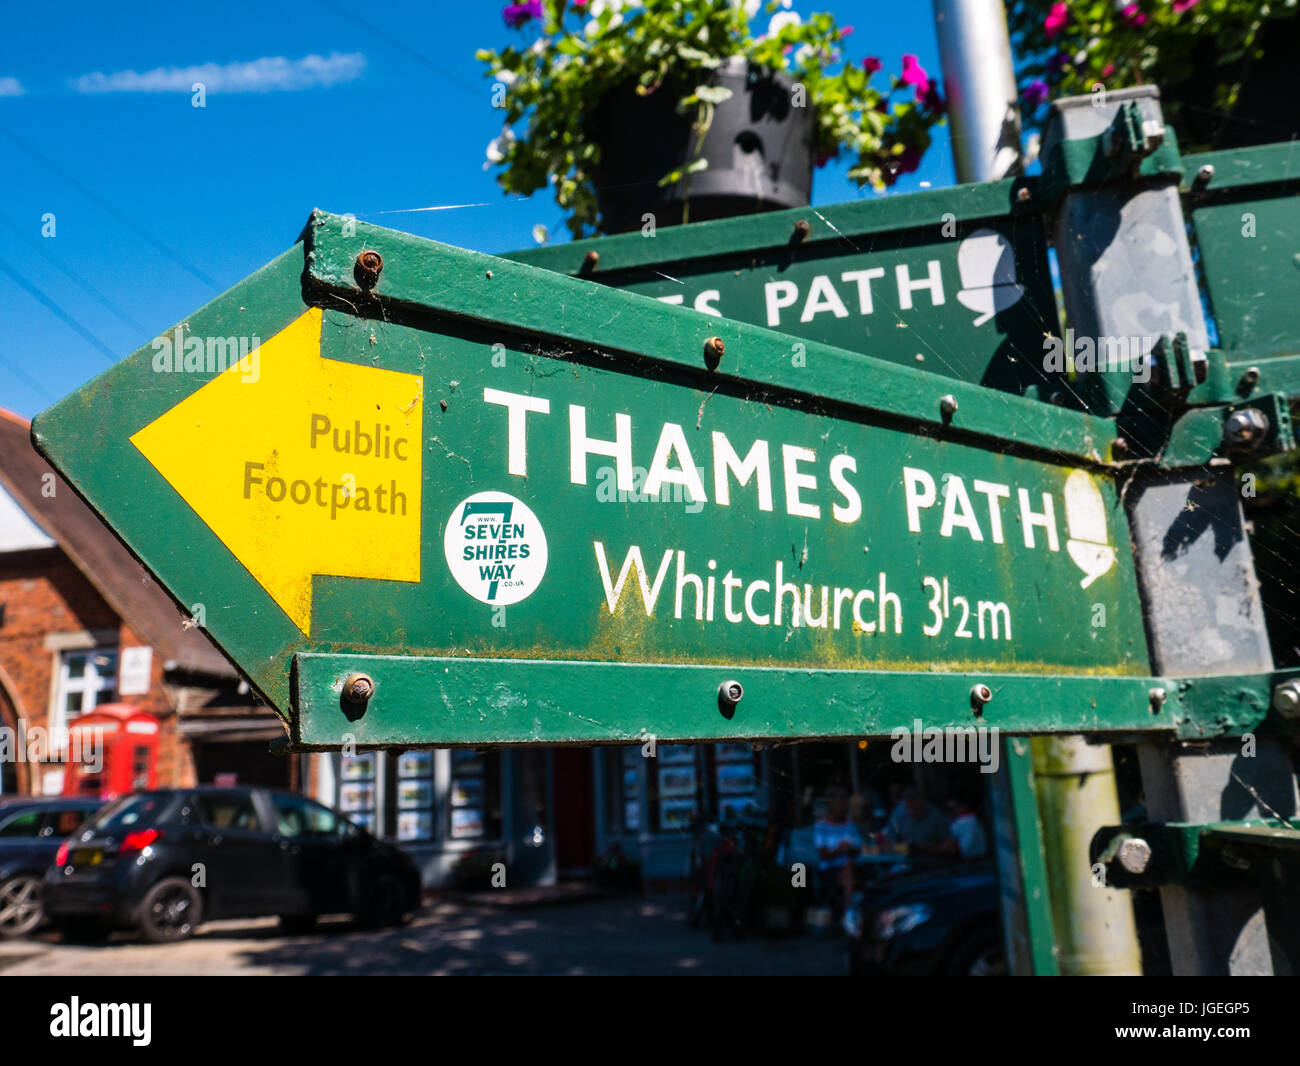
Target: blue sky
{"points": [[372, 108]]}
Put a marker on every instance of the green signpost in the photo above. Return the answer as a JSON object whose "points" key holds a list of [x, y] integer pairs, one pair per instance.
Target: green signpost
{"points": [[824, 479]]}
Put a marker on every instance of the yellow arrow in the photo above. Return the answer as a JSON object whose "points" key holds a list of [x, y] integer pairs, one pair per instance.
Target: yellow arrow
{"points": [[300, 465]]}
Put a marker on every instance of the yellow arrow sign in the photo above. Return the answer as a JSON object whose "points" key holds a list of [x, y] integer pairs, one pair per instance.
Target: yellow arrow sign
{"points": [[300, 465]]}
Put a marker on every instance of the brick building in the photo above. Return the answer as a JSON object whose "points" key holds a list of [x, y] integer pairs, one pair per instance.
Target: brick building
{"points": [[82, 623]]}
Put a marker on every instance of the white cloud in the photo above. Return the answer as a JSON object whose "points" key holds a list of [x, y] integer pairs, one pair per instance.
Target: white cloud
{"points": [[11, 87], [268, 74]]}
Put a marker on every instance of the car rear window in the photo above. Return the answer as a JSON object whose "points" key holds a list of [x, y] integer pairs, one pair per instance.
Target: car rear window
{"points": [[130, 811], [25, 824], [228, 810]]}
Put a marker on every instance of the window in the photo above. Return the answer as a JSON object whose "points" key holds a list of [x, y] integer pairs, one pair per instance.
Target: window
{"points": [[228, 810], [298, 817], [86, 679], [63, 821], [26, 824]]}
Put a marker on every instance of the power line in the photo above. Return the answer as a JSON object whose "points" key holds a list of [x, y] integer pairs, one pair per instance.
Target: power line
{"points": [[393, 42], [98, 200], [58, 311], [103, 300]]}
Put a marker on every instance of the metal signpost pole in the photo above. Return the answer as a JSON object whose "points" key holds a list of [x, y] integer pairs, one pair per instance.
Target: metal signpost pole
{"points": [[1128, 275]]}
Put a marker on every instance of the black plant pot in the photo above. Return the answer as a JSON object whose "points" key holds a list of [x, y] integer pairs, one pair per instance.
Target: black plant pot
{"points": [[758, 147]]}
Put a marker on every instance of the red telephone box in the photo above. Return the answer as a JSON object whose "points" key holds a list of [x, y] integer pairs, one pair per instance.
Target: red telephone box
{"points": [[112, 749]]}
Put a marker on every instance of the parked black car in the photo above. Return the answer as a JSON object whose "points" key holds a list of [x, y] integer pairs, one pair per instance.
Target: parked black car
{"points": [[165, 860], [942, 921], [31, 831]]}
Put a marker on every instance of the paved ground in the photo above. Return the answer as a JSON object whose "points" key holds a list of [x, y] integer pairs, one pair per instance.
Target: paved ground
{"points": [[627, 935]]}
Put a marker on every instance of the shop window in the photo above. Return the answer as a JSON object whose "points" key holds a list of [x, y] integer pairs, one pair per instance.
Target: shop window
{"points": [[475, 809], [734, 781], [86, 679], [674, 788], [358, 790], [623, 789], [413, 771]]}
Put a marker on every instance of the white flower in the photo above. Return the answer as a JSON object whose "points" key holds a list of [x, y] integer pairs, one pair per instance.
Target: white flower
{"points": [[781, 20], [751, 7], [498, 146], [507, 77], [540, 45]]}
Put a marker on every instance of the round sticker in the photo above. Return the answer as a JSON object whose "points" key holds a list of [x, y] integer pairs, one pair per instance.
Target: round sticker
{"points": [[496, 548]]}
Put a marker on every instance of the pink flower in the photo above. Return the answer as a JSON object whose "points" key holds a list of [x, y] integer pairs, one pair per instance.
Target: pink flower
{"points": [[1133, 15], [517, 15], [1108, 71], [1056, 19], [871, 64], [847, 31], [1184, 5], [914, 74]]}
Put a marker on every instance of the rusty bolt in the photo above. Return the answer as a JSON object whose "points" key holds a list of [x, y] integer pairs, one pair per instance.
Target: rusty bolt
{"points": [[358, 688], [713, 349], [591, 260], [1134, 855], [1120, 448], [980, 695], [1022, 195], [801, 230], [369, 264]]}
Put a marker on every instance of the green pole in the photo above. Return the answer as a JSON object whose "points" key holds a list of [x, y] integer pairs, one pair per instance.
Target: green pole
{"points": [[1095, 930]]}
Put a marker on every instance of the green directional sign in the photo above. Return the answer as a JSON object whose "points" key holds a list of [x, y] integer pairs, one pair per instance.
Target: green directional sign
{"points": [[952, 281], [421, 495]]}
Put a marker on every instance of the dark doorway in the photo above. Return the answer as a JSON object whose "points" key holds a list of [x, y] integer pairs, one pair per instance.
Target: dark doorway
{"points": [[575, 812], [241, 762]]}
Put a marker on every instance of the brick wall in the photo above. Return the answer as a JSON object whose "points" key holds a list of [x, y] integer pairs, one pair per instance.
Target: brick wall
{"points": [[44, 594]]}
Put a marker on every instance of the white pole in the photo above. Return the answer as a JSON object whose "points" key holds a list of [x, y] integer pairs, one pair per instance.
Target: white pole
{"points": [[980, 86]]}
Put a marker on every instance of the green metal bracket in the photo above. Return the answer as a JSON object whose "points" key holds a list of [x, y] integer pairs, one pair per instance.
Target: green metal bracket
{"points": [[1204, 435], [1214, 855], [1130, 150]]}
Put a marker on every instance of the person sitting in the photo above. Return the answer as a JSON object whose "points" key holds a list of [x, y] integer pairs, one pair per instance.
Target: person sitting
{"points": [[838, 841], [921, 827], [968, 837]]}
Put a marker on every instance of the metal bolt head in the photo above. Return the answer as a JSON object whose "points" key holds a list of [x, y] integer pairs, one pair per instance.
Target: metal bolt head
{"points": [[802, 229], [369, 264], [590, 260], [948, 405], [1286, 699], [1205, 173], [1022, 195], [1134, 855], [1245, 428], [730, 693], [358, 688], [980, 695], [1157, 697], [1119, 448], [713, 349]]}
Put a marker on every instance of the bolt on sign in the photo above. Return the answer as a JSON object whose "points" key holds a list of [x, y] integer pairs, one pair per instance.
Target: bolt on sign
{"points": [[448, 498]]}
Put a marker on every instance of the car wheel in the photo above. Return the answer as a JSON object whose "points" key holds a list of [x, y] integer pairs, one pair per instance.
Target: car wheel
{"points": [[170, 911], [20, 906], [981, 954], [297, 924], [384, 904]]}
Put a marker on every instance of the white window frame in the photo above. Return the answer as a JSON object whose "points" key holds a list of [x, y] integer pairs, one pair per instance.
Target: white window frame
{"points": [[90, 683]]}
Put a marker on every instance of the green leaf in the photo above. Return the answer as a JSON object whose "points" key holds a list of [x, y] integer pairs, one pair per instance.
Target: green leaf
{"points": [[713, 94]]}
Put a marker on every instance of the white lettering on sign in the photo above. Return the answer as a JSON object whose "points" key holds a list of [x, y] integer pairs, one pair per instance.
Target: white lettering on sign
{"points": [[823, 296], [813, 482]]}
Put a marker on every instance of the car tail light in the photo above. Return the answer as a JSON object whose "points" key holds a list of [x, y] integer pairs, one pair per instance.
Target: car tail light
{"points": [[61, 859], [139, 840]]}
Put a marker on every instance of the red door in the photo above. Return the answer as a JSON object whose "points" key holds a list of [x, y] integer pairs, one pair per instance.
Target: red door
{"points": [[575, 811]]}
